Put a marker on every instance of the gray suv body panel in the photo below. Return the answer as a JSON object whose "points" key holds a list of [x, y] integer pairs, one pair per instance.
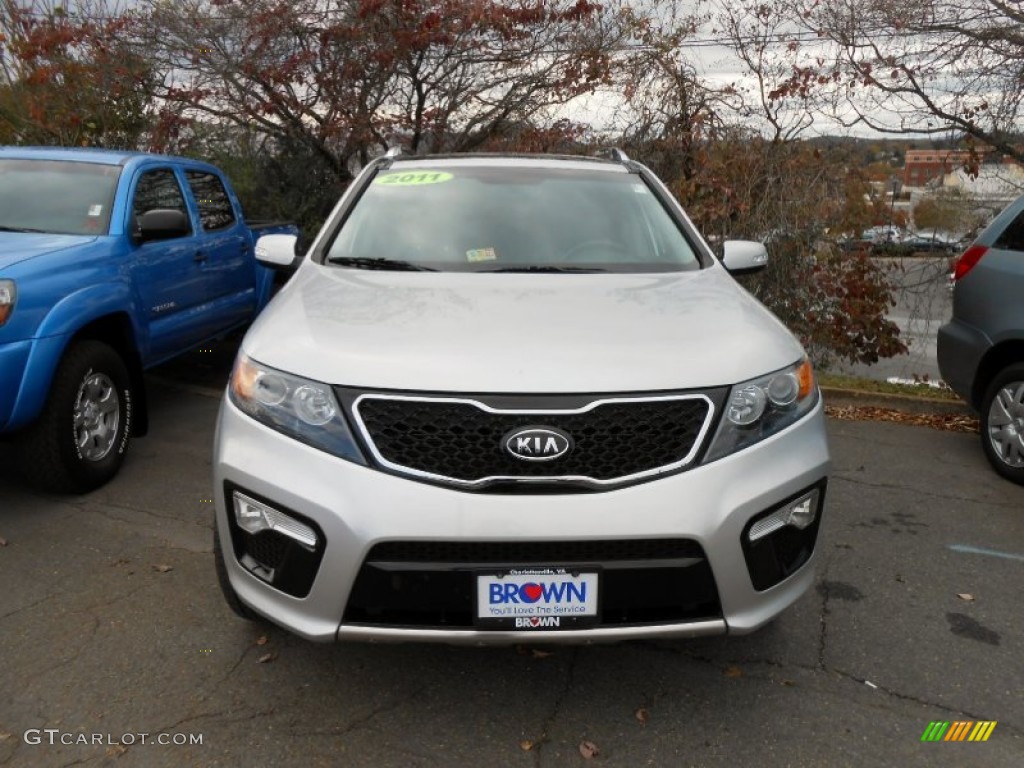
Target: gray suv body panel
{"points": [[981, 349], [988, 310]]}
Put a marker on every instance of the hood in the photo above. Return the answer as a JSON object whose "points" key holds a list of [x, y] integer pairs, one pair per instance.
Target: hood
{"points": [[16, 247], [519, 333]]}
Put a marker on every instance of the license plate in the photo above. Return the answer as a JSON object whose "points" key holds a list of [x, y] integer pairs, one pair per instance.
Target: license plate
{"points": [[537, 598]]}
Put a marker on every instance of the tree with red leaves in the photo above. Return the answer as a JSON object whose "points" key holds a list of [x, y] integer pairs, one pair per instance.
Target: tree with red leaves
{"points": [[71, 80], [348, 78], [922, 67]]}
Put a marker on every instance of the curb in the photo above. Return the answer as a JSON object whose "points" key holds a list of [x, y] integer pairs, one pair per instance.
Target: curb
{"points": [[905, 403]]}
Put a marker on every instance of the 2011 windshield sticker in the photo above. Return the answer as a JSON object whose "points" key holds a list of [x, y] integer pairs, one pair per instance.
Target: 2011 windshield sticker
{"points": [[413, 179]]}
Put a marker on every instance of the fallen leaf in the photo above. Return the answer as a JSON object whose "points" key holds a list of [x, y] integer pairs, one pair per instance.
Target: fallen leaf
{"points": [[261, 640], [526, 745], [733, 671], [950, 422], [4, 736], [966, 596], [641, 715], [266, 657], [3, 541], [537, 654], [162, 568], [788, 683], [589, 750], [116, 751]]}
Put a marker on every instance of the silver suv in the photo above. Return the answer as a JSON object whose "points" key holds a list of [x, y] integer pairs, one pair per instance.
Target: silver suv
{"points": [[981, 349], [510, 396]]}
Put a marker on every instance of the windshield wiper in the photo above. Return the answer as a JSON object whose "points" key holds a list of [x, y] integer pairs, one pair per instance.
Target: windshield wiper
{"points": [[541, 268], [362, 262], [22, 229]]}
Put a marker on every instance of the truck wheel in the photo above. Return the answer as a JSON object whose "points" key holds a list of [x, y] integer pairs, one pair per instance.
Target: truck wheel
{"points": [[78, 442], [1002, 423], [230, 596]]}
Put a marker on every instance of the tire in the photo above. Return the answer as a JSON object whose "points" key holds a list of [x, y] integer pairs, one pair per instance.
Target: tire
{"points": [[230, 596], [1002, 423], [79, 441]]}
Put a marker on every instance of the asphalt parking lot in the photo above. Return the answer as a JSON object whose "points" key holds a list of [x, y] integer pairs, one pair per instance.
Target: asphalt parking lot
{"points": [[113, 627]]}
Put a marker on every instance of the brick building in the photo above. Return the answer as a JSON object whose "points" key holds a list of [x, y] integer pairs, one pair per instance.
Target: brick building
{"points": [[924, 165]]}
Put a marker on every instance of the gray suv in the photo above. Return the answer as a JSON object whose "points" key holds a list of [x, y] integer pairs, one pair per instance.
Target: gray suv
{"points": [[516, 396], [981, 350]]}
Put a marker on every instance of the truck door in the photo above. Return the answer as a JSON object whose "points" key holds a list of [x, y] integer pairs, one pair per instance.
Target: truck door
{"points": [[167, 273], [228, 263]]}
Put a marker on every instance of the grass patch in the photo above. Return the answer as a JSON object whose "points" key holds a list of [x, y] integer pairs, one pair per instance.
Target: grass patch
{"points": [[840, 381]]}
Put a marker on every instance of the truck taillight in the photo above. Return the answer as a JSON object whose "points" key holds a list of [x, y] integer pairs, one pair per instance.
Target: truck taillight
{"points": [[966, 262]]}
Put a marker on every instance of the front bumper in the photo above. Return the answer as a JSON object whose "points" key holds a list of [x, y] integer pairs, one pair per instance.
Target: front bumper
{"points": [[355, 508]]}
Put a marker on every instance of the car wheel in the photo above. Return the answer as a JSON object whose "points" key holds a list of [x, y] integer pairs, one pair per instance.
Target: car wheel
{"points": [[230, 596], [79, 441], [1002, 423]]}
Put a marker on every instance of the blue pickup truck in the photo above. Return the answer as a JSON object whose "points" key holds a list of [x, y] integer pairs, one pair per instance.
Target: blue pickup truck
{"points": [[110, 262]]}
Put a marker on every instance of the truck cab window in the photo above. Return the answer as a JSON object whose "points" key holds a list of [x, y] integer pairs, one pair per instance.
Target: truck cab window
{"points": [[215, 209], [158, 189]]}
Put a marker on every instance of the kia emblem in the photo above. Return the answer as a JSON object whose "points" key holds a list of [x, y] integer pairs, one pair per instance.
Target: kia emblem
{"points": [[537, 443]]}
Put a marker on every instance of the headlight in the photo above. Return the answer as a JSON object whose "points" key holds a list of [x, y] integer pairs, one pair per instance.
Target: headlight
{"points": [[8, 295], [759, 408], [303, 409]]}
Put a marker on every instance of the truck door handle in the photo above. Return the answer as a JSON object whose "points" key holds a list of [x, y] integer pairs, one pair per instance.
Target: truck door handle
{"points": [[199, 258]]}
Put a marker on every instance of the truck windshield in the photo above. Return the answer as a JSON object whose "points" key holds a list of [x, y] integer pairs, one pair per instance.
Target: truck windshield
{"points": [[55, 196], [502, 218]]}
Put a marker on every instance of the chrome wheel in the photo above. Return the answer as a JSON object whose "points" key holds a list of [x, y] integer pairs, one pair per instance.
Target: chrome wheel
{"points": [[1006, 424], [97, 416]]}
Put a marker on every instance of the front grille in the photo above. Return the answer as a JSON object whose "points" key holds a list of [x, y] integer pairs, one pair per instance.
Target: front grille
{"points": [[431, 584], [461, 442]]}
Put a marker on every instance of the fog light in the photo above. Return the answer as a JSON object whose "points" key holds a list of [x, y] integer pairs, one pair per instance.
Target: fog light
{"points": [[802, 513], [799, 513], [255, 517]]}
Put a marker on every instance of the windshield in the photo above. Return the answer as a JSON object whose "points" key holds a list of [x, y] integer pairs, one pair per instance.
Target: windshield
{"points": [[56, 196], [500, 218]]}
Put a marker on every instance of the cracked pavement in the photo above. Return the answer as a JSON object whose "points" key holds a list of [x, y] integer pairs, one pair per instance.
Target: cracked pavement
{"points": [[112, 624]]}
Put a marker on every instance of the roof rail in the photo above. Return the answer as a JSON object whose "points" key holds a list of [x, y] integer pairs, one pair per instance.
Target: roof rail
{"points": [[612, 153], [395, 151]]}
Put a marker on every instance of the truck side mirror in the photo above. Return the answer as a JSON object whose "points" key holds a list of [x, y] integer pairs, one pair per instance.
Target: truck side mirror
{"points": [[277, 251], [161, 224]]}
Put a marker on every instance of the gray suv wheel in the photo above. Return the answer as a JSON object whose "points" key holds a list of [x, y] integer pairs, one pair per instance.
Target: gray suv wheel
{"points": [[1002, 423]]}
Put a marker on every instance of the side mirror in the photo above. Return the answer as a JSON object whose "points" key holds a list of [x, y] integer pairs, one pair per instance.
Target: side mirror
{"points": [[162, 224], [741, 257], [277, 251]]}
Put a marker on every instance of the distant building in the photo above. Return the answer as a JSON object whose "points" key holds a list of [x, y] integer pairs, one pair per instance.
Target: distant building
{"points": [[922, 166], [994, 188]]}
